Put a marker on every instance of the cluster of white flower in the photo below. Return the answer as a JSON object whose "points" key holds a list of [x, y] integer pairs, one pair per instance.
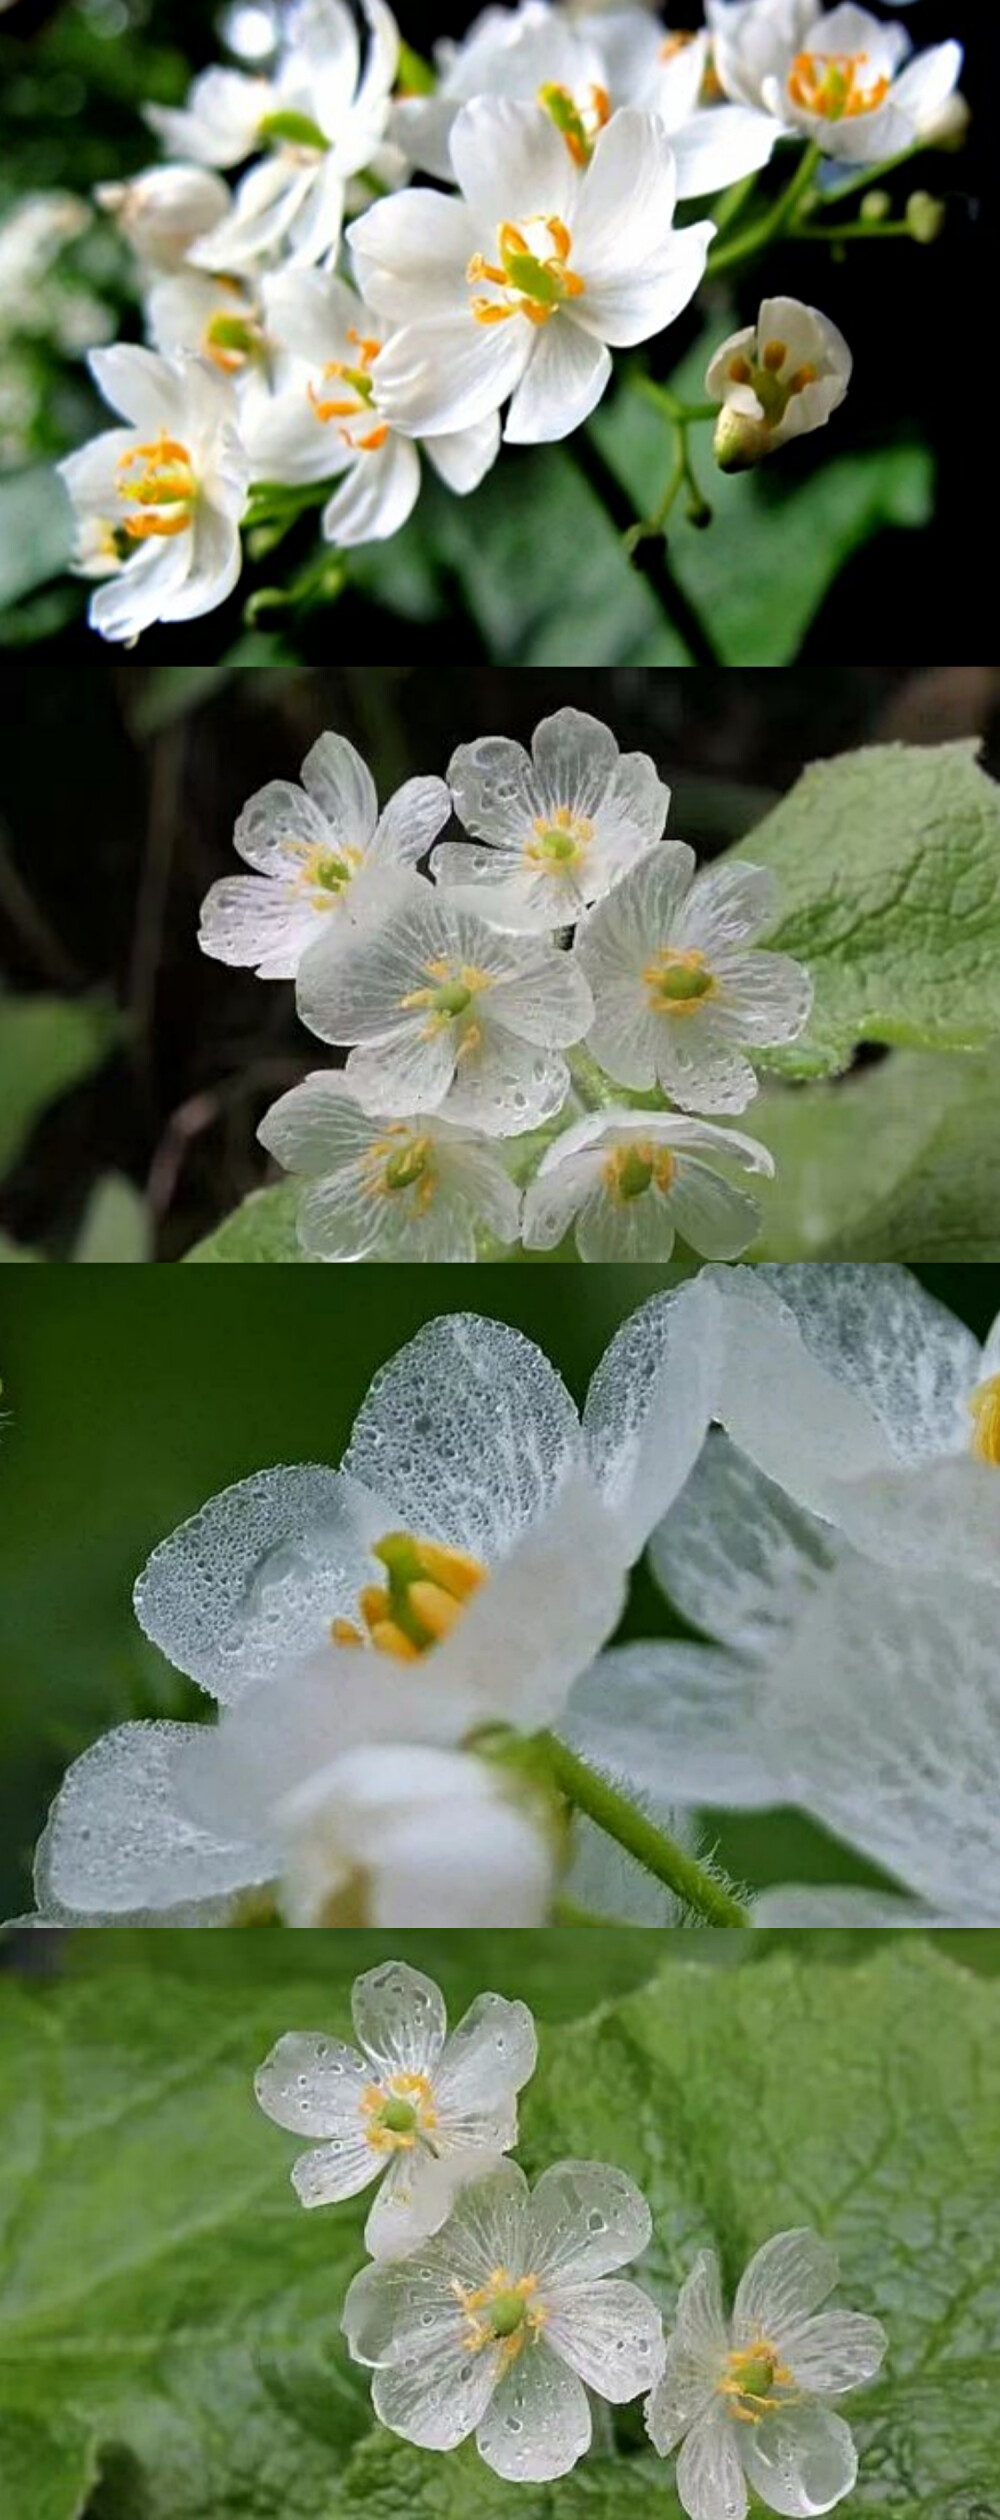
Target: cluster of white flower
{"points": [[458, 994], [492, 2308], [289, 349]]}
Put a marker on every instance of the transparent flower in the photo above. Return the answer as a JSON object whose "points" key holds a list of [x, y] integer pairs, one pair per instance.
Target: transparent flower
{"points": [[776, 380], [562, 824], [419, 2111], [162, 211], [679, 999], [501, 2324], [844, 80], [323, 857], [448, 1015], [747, 2399], [629, 1182], [159, 502], [401, 1189], [522, 284]]}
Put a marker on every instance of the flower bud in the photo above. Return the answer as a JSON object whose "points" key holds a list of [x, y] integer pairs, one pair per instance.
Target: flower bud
{"points": [[875, 207], [925, 217], [161, 212]]}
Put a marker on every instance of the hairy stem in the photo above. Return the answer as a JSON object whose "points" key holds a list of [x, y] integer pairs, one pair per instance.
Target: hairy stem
{"points": [[650, 558], [652, 1848]]}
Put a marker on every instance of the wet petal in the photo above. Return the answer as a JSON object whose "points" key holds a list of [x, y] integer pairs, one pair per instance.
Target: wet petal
{"points": [[400, 2018], [586, 2220], [538, 2423], [312, 2084], [786, 2280], [710, 2480], [611, 2334], [801, 2461]]}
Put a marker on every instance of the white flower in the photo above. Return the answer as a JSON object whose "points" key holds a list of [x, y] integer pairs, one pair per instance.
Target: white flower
{"points": [[325, 419], [400, 1189], [501, 2324], [319, 120], [420, 2111], [408, 1835], [162, 211], [583, 71], [838, 79], [517, 287], [630, 1181], [159, 502], [747, 2399], [561, 824], [448, 1015], [323, 855], [776, 380], [219, 318], [679, 1000]]}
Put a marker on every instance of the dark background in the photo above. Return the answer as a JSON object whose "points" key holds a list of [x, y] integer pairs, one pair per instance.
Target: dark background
{"points": [[119, 788], [912, 314]]}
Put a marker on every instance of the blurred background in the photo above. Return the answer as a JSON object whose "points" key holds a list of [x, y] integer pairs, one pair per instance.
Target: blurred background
{"points": [[133, 1071], [132, 1398], [869, 526]]}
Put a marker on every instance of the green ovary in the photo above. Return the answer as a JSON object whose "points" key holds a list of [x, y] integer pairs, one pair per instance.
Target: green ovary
{"points": [[506, 2313], [399, 2117], [452, 998], [679, 987]]}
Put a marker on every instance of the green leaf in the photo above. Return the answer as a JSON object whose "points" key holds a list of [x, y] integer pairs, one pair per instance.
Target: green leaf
{"points": [[47, 1044], [116, 1223], [262, 1228], [895, 1160], [889, 860], [543, 572], [35, 532]]}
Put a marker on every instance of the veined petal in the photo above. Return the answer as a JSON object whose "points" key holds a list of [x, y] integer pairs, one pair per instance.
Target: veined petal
{"points": [[802, 2460], [252, 1581], [710, 2480], [651, 1401], [312, 2084], [611, 2334], [879, 1331], [449, 372], [341, 785], [276, 825], [538, 2422], [765, 998], [118, 1837], [585, 2220], [411, 821], [334, 2170], [737, 1556], [399, 2018], [439, 2395], [726, 905], [565, 378], [840, 2350], [680, 1722], [405, 1071], [247, 920], [491, 2052], [695, 2354], [716, 1219], [783, 2284], [510, 161]]}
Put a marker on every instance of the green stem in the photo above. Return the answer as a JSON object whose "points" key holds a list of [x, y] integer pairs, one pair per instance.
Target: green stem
{"points": [[870, 177], [858, 227], [658, 1854], [681, 417], [777, 223], [667, 401], [650, 558], [730, 204]]}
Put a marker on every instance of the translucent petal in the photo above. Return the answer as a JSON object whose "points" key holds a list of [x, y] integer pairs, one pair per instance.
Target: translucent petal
{"points": [[547, 1000], [341, 784], [805, 1428], [411, 821], [695, 2354], [252, 1581], [803, 1905], [491, 1863], [412, 2202], [118, 1837], [716, 1219], [492, 785], [877, 1329], [625, 1230], [736, 1555], [394, 2309], [575, 758], [764, 997], [312, 2084], [838, 2351], [710, 2481], [317, 1126], [407, 1071], [585, 2220], [275, 827], [436, 2395], [400, 2019], [538, 2422], [335, 2170], [945, 1514], [650, 1403], [679, 1722], [468, 1433], [725, 905], [784, 2282], [506, 1085], [801, 2461], [546, 1611], [247, 920], [698, 1067], [611, 2333], [490, 2054]]}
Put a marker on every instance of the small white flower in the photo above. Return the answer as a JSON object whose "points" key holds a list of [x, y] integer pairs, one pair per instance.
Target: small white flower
{"points": [[679, 1000], [748, 2399], [839, 79], [501, 2324], [162, 211], [776, 380], [159, 502], [217, 317], [448, 1015], [319, 120], [583, 70], [403, 1834], [562, 824], [399, 1189], [323, 856], [523, 284], [420, 2111], [325, 419], [631, 1181]]}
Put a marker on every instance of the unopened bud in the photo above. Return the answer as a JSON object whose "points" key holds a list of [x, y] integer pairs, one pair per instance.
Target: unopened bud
{"points": [[738, 443], [875, 207], [161, 212], [947, 128], [925, 217]]}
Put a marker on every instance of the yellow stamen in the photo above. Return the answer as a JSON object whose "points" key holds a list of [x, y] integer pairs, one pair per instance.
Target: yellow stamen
{"points": [[740, 371], [428, 1586], [560, 840], [984, 1407], [631, 1169], [501, 2312], [345, 1632], [399, 2111], [834, 85], [159, 475], [678, 982], [533, 270], [773, 356], [753, 2373], [803, 376]]}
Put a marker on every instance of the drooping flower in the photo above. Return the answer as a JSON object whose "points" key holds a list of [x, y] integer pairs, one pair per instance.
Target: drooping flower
{"points": [[679, 1000], [323, 857], [776, 380], [522, 284], [159, 502], [399, 1189], [628, 1182], [500, 2324], [748, 2400], [419, 2111], [163, 210], [561, 824], [583, 69], [324, 420], [318, 122], [844, 80], [448, 1015]]}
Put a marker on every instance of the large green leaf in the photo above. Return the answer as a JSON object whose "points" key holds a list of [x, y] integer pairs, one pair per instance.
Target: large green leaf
{"points": [[889, 860], [895, 1163], [261, 1228], [47, 1044], [543, 572]]}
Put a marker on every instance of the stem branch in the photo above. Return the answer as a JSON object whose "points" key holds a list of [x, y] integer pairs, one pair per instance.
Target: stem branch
{"points": [[658, 1854]]}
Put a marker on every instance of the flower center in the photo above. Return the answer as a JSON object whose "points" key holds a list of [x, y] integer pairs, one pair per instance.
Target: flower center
{"points": [[773, 386], [835, 85], [560, 840], [751, 2377], [426, 1590], [677, 981], [323, 872], [532, 272], [289, 130], [629, 1171], [397, 2112], [400, 1160], [160, 478], [985, 1409], [357, 402], [578, 123], [502, 2312], [453, 988], [231, 340]]}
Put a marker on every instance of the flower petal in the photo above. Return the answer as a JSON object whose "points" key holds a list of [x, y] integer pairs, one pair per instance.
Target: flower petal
{"points": [[766, 998], [511, 162], [737, 1556], [411, 821], [462, 457], [118, 1837], [332, 2171], [784, 2282], [725, 905], [447, 372], [838, 2351], [341, 785], [491, 2053], [547, 1609], [611, 2334], [377, 495], [538, 2422], [710, 2481], [439, 2395], [651, 1401], [801, 2461], [561, 385], [716, 1219], [252, 1581], [586, 2219], [695, 2354], [276, 826], [680, 1722], [411, 252], [247, 920], [399, 2018], [879, 1331], [312, 2084]]}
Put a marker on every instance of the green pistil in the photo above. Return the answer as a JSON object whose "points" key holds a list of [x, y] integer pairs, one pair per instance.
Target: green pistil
{"points": [[404, 1566], [294, 130], [634, 1174], [836, 91], [678, 986], [559, 105], [232, 332], [360, 381], [399, 2117], [506, 2313], [757, 2378], [559, 845], [408, 1166], [451, 998], [331, 874], [526, 273]]}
